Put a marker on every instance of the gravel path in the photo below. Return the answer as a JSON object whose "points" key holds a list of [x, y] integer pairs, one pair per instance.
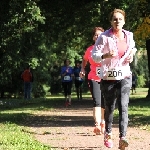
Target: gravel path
{"points": [[72, 129]]}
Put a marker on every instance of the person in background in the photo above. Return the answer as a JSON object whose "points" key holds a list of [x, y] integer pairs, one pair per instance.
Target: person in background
{"points": [[78, 80], [32, 79], [114, 50], [27, 78], [67, 75], [134, 79], [94, 84]]}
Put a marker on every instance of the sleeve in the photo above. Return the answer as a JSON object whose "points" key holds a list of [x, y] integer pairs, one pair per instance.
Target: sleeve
{"points": [[97, 51], [133, 48]]}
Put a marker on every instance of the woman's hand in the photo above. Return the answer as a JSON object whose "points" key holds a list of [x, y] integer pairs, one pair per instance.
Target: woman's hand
{"points": [[129, 58], [110, 54], [82, 73], [67, 70]]}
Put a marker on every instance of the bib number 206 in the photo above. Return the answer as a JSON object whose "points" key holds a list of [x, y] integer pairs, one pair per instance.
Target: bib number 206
{"points": [[114, 73]]}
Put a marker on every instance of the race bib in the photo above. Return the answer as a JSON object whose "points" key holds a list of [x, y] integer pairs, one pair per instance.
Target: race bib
{"points": [[117, 73], [78, 78], [98, 71], [66, 78]]}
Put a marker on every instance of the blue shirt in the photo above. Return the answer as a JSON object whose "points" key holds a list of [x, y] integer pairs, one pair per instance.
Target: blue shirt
{"points": [[67, 77], [76, 71]]}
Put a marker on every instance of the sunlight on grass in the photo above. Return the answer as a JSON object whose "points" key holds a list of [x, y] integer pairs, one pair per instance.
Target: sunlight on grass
{"points": [[140, 93], [12, 137]]}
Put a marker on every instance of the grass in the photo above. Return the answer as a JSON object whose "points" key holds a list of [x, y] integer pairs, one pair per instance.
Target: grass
{"points": [[12, 137], [14, 113]]}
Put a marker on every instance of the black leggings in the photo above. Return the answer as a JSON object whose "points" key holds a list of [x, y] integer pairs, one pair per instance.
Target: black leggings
{"points": [[98, 100], [67, 88]]}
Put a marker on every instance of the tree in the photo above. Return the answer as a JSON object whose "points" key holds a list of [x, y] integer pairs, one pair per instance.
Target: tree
{"points": [[18, 25], [142, 33], [43, 33], [148, 52]]}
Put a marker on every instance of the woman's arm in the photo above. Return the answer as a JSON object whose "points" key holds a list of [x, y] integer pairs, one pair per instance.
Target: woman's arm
{"points": [[84, 62], [82, 72], [97, 54], [132, 49], [98, 50]]}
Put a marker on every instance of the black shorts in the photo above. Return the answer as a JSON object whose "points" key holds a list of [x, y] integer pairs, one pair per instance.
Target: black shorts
{"points": [[78, 83]]}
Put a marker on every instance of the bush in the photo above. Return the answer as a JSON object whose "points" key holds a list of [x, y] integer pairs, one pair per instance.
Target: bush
{"points": [[141, 81]]}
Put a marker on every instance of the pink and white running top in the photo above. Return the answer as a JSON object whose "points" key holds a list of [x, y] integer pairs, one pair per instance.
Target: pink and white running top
{"points": [[94, 67], [115, 68]]}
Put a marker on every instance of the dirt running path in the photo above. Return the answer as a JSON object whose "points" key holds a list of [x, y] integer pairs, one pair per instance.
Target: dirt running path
{"points": [[72, 129]]}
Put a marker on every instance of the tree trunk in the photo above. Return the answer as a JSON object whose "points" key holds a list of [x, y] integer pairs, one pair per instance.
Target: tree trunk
{"points": [[148, 54]]}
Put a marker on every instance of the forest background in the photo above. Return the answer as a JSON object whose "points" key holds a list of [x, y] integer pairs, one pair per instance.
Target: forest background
{"points": [[42, 33]]}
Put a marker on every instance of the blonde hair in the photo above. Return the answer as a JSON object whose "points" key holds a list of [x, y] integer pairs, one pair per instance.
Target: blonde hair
{"points": [[115, 11]]}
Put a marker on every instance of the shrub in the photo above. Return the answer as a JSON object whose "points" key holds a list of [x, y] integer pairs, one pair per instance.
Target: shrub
{"points": [[141, 81]]}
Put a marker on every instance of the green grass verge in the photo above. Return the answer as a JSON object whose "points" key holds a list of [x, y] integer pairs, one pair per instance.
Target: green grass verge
{"points": [[12, 137], [14, 133]]}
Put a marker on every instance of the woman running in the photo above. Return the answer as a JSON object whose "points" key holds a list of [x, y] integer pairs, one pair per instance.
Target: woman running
{"points": [[67, 74], [114, 50], [94, 84], [78, 79]]}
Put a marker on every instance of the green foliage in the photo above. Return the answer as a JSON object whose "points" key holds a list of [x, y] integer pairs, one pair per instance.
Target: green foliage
{"points": [[141, 81], [24, 16], [43, 33], [140, 68], [21, 37]]}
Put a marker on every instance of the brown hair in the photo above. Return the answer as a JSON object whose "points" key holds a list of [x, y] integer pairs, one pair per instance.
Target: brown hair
{"points": [[97, 28], [115, 11], [67, 59]]}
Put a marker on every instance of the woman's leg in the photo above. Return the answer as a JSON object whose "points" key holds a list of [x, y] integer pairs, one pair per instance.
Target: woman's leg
{"points": [[77, 91], [109, 93], [77, 88], [80, 89], [64, 85], [69, 91], [123, 100], [80, 92], [102, 114], [96, 95]]}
